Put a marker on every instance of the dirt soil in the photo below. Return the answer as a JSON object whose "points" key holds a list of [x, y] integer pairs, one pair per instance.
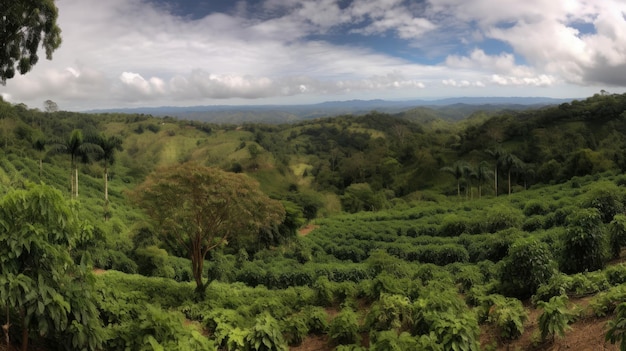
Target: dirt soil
{"points": [[587, 334], [307, 229]]}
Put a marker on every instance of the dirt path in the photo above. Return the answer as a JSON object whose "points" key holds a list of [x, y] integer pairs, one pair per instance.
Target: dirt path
{"points": [[307, 229]]}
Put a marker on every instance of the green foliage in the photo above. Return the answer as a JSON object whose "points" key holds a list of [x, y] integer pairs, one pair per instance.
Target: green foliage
{"points": [[28, 25], [617, 234], [38, 279], [501, 217], [389, 312], [606, 302], [508, 316], [265, 335], [344, 328], [360, 197], [555, 318], [607, 198], [295, 329], [390, 340], [153, 329], [585, 243], [528, 265], [617, 328]]}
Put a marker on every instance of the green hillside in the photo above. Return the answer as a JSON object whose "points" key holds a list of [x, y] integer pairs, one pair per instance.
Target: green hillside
{"points": [[413, 247]]}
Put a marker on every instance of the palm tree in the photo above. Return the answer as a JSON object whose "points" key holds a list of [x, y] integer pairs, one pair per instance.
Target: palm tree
{"points": [[76, 147], [496, 154], [109, 146], [458, 171], [482, 172], [40, 145], [511, 163]]}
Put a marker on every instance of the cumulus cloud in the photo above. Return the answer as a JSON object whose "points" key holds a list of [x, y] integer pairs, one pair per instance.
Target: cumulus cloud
{"points": [[119, 52]]}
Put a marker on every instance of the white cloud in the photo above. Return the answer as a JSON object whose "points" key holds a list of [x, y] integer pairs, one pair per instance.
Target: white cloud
{"points": [[121, 52]]}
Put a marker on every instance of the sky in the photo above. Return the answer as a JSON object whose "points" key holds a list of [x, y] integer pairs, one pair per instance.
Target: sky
{"points": [[140, 53]]}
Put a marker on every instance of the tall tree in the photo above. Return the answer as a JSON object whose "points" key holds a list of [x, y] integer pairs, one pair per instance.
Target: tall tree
{"points": [[40, 285], [78, 149], [109, 145], [510, 163], [481, 173], [50, 106], [496, 154], [198, 208], [458, 170], [24, 25]]}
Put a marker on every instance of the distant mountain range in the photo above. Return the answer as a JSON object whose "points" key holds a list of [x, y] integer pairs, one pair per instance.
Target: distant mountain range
{"points": [[294, 113]]}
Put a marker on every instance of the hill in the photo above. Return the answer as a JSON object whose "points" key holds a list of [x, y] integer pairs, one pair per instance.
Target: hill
{"points": [[430, 233], [452, 108]]}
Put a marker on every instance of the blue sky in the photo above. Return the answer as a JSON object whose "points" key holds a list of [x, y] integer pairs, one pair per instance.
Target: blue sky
{"points": [[128, 53]]}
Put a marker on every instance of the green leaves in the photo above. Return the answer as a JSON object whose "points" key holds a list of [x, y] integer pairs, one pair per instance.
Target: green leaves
{"points": [[37, 275], [617, 328], [555, 318]]}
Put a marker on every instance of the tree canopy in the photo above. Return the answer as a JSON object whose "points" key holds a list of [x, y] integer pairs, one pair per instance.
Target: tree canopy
{"points": [[40, 285], [198, 208], [24, 25]]}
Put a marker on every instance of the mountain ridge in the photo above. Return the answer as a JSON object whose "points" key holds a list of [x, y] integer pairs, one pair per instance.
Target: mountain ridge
{"points": [[291, 113]]}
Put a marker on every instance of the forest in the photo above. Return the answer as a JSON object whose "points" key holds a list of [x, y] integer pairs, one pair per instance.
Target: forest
{"points": [[501, 230]]}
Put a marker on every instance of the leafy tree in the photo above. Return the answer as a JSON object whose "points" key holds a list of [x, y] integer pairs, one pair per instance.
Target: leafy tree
{"points": [[40, 285], [496, 154], [25, 24], [50, 106], [109, 145], [481, 173], [458, 170], [584, 243], [617, 231], [510, 163], [528, 264], [198, 208], [78, 149]]}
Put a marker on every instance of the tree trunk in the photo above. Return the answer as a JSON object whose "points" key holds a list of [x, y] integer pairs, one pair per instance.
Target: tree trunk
{"points": [[197, 263], [106, 184], [24, 330], [495, 180], [5, 328], [458, 188], [509, 182]]}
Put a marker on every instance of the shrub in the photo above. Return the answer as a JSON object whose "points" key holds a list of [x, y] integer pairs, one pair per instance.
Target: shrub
{"points": [[389, 312], [528, 265], [508, 316], [555, 318], [616, 274], [316, 320], [502, 217], [344, 328], [605, 302], [453, 225], [295, 329], [389, 340], [584, 244], [536, 207], [617, 327], [607, 198], [265, 335], [617, 234]]}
